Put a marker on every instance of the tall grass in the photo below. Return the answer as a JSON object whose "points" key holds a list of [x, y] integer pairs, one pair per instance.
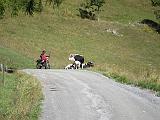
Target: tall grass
{"points": [[20, 97], [151, 83]]}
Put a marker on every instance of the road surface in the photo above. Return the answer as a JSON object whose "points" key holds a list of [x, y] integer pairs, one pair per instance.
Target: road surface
{"points": [[85, 95]]}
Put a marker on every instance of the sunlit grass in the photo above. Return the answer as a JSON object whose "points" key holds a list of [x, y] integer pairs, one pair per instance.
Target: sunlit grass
{"points": [[20, 97], [62, 32]]}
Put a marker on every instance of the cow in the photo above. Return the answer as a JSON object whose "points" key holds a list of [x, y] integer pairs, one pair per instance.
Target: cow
{"points": [[77, 59], [70, 66]]}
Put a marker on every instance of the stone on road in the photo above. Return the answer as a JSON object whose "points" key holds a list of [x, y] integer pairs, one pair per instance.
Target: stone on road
{"points": [[84, 95]]}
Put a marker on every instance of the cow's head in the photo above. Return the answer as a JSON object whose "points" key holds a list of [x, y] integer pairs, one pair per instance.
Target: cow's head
{"points": [[90, 64], [71, 57]]}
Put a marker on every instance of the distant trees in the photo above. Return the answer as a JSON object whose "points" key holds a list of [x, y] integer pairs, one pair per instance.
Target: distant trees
{"points": [[27, 6], [89, 8], [156, 4]]}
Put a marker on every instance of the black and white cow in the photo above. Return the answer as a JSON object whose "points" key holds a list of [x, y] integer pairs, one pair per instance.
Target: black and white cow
{"points": [[77, 59], [70, 66]]}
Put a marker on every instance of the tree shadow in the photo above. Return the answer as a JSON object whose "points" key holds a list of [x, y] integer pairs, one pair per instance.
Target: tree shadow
{"points": [[154, 25]]}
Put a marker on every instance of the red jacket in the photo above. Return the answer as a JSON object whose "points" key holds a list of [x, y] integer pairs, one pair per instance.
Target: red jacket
{"points": [[44, 57]]}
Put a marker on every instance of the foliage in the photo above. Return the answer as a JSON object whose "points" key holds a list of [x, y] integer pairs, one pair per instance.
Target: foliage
{"points": [[27, 6], [156, 4], [57, 2], [157, 14], [39, 7], [97, 3], [30, 7], [2, 9], [89, 8]]}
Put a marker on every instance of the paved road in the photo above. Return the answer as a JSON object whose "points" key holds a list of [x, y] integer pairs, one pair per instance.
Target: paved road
{"points": [[84, 95]]}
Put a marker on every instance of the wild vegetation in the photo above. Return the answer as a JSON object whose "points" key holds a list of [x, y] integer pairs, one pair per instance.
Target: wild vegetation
{"points": [[89, 8], [156, 5], [14, 7], [20, 97]]}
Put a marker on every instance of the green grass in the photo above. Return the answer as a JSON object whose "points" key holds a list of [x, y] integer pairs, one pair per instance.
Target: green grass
{"points": [[14, 59], [20, 97], [62, 32], [123, 11], [132, 59], [147, 84]]}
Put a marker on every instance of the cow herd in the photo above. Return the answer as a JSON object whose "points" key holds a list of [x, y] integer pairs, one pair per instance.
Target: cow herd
{"points": [[78, 62]]}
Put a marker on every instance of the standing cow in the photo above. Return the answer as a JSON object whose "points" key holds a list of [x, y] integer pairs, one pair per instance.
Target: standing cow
{"points": [[77, 59]]}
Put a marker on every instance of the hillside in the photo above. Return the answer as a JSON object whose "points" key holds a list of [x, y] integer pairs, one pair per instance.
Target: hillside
{"points": [[134, 52]]}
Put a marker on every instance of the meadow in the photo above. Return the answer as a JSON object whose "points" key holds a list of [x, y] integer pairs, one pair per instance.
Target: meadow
{"points": [[131, 56]]}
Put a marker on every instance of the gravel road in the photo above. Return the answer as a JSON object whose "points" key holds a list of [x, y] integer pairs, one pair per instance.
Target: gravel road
{"points": [[85, 95]]}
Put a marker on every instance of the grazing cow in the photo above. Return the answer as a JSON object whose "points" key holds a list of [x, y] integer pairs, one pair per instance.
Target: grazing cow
{"points": [[77, 59]]}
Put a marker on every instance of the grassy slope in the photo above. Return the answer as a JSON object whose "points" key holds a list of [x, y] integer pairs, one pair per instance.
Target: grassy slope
{"points": [[20, 97], [134, 55], [13, 59]]}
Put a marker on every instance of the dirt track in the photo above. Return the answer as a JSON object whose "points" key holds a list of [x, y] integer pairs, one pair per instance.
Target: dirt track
{"points": [[84, 95]]}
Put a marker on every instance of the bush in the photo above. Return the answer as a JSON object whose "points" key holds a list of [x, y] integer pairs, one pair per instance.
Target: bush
{"points": [[89, 14], [89, 8], [97, 3], [2, 10], [156, 4], [157, 14]]}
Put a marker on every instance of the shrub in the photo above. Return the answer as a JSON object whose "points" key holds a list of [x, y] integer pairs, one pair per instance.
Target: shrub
{"points": [[89, 14], [2, 9], [156, 4], [89, 8]]}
